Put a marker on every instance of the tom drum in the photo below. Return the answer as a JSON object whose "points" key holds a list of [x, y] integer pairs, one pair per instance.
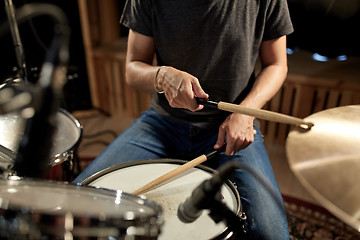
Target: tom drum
{"points": [[65, 142]]}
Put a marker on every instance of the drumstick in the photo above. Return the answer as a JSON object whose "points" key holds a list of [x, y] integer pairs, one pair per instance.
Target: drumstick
{"points": [[179, 170], [258, 113]]}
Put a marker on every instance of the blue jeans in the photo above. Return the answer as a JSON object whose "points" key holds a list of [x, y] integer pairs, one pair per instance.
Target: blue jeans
{"points": [[153, 137]]}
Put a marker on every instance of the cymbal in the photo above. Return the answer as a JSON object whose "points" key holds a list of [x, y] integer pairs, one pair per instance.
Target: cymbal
{"points": [[326, 160]]}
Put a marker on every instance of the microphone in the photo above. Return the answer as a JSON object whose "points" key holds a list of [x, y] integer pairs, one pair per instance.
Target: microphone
{"points": [[205, 194]]}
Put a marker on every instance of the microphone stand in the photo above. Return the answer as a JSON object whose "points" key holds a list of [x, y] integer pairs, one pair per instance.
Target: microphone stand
{"points": [[33, 158], [208, 196], [221, 212], [19, 51]]}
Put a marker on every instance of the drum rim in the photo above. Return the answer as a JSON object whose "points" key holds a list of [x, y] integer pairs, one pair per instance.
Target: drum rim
{"points": [[68, 114], [229, 183], [62, 157], [112, 222], [16, 180]]}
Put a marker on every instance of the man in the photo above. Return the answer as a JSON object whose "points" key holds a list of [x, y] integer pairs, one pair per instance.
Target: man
{"points": [[207, 49]]}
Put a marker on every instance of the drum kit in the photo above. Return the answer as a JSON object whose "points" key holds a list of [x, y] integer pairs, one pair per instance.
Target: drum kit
{"points": [[322, 151]]}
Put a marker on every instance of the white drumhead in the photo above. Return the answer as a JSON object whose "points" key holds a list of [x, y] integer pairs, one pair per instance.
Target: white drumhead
{"points": [[169, 195]]}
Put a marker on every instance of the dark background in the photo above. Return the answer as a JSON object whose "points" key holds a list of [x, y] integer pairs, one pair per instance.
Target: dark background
{"points": [[36, 36], [326, 27]]}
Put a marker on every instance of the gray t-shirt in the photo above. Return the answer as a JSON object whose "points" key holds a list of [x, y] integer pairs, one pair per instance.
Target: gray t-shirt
{"points": [[217, 41]]}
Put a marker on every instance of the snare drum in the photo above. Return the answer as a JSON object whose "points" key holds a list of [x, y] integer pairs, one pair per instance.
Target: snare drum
{"points": [[65, 142], [130, 176], [41, 209]]}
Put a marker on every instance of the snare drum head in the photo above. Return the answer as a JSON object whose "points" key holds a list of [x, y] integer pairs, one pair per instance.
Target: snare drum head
{"points": [[56, 200], [129, 177]]}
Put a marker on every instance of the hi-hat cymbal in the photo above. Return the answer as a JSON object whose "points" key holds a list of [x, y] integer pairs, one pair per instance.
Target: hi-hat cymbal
{"points": [[326, 160]]}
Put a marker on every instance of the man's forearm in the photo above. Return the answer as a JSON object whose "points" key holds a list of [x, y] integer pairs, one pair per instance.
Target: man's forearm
{"points": [[141, 76]]}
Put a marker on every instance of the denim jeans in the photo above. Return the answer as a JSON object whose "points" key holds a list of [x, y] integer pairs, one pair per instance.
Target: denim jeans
{"points": [[154, 137]]}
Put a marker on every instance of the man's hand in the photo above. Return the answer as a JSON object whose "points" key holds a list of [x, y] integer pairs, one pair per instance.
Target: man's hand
{"points": [[180, 88], [238, 131]]}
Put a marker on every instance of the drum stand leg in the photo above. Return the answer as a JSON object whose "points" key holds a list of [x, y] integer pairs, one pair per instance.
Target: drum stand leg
{"points": [[68, 170], [71, 167]]}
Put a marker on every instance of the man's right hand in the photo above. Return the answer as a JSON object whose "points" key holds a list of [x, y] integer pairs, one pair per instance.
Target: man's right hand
{"points": [[180, 88]]}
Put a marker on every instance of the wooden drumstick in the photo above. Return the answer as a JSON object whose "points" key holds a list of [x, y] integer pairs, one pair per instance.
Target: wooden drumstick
{"points": [[173, 173], [258, 113], [178, 170]]}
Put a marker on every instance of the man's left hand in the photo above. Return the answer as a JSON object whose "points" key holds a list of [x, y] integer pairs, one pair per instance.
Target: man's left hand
{"points": [[238, 131]]}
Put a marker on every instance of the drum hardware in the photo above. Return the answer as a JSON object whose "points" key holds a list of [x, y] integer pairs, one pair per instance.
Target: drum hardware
{"points": [[207, 196], [326, 160], [179, 170], [258, 113]]}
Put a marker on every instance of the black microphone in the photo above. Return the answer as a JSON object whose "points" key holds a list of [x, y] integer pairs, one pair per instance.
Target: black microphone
{"points": [[205, 194]]}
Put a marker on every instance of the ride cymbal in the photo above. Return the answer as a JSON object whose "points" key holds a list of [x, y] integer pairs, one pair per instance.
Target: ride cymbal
{"points": [[326, 160]]}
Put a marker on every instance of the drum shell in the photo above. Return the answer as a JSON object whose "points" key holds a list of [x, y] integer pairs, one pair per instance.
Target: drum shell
{"points": [[100, 180]]}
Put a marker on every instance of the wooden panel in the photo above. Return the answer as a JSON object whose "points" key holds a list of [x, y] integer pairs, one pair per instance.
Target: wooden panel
{"points": [[100, 25], [109, 21], [355, 98], [303, 101], [108, 81], [333, 98], [118, 83], [346, 98], [94, 21], [274, 106], [320, 100], [87, 39], [286, 108], [102, 88]]}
